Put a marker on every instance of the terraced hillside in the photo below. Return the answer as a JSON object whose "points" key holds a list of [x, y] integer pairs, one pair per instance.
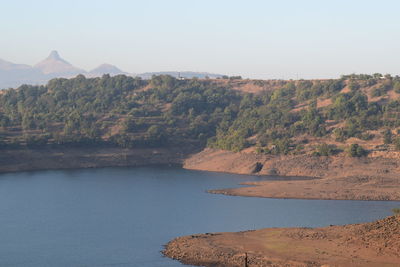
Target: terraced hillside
{"points": [[353, 115]]}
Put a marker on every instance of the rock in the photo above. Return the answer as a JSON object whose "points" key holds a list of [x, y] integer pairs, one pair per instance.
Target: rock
{"points": [[272, 171], [256, 168]]}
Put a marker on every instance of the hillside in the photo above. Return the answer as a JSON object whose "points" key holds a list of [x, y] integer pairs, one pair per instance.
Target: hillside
{"points": [[343, 133], [112, 111], [316, 117]]}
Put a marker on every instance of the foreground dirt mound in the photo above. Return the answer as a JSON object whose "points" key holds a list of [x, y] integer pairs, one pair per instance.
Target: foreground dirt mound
{"points": [[370, 244], [383, 236]]}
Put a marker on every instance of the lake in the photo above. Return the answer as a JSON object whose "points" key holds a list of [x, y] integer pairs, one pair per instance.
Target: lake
{"points": [[124, 216]]}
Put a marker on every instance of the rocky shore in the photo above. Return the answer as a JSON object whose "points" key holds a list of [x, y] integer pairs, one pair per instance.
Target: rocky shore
{"points": [[373, 244]]}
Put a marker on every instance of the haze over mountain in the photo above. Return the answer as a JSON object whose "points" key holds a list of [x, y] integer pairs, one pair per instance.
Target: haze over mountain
{"points": [[16, 74], [105, 69], [182, 74], [54, 66]]}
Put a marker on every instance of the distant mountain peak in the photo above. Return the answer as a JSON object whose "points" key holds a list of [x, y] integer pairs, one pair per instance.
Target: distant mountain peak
{"points": [[105, 69], [54, 64], [54, 55], [106, 65]]}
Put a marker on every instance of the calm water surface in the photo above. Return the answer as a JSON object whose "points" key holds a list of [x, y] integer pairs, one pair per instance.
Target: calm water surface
{"points": [[123, 216]]}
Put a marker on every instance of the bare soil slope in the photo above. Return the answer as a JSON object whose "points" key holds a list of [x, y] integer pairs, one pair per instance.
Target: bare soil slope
{"points": [[370, 178]]}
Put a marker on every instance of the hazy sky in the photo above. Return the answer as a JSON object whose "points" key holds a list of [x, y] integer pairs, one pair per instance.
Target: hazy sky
{"points": [[257, 39]]}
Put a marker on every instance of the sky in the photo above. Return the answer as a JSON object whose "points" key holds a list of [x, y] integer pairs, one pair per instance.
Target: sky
{"points": [[285, 39]]}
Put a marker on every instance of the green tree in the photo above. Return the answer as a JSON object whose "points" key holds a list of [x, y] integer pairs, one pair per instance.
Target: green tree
{"points": [[324, 150], [355, 150], [387, 136], [397, 143]]}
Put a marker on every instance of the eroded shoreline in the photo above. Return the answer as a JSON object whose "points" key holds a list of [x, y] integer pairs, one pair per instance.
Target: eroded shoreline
{"points": [[339, 178], [19, 160], [335, 178]]}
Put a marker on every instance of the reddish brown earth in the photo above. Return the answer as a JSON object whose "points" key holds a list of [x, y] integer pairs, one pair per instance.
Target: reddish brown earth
{"points": [[372, 244], [370, 178]]}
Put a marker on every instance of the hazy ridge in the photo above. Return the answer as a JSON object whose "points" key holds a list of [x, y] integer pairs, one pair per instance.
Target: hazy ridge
{"points": [[54, 66]]}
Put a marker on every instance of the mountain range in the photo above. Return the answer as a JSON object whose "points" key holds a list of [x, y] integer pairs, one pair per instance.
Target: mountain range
{"points": [[14, 75]]}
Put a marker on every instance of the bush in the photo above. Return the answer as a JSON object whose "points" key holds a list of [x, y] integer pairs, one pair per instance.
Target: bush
{"points": [[282, 146], [339, 134], [33, 141], [365, 136], [387, 136], [324, 150], [396, 211], [377, 92], [262, 150], [355, 150], [397, 143]]}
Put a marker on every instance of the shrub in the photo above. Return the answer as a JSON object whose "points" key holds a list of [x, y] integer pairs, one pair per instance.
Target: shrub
{"points": [[397, 143], [355, 150], [33, 141], [325, 150], [377, 92], [365, 136], [282, 146], [387, 136]]}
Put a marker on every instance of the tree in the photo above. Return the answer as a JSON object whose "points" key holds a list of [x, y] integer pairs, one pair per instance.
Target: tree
{"points": [[387, 136], [355, 150], [353, 86], [397, 143], [377, 75], [155, 135], [324, 150], [28, 123], [128, 125]]}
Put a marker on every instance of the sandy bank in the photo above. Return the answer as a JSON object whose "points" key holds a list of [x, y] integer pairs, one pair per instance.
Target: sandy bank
{"points": [[372, 244], [371, 178]]}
